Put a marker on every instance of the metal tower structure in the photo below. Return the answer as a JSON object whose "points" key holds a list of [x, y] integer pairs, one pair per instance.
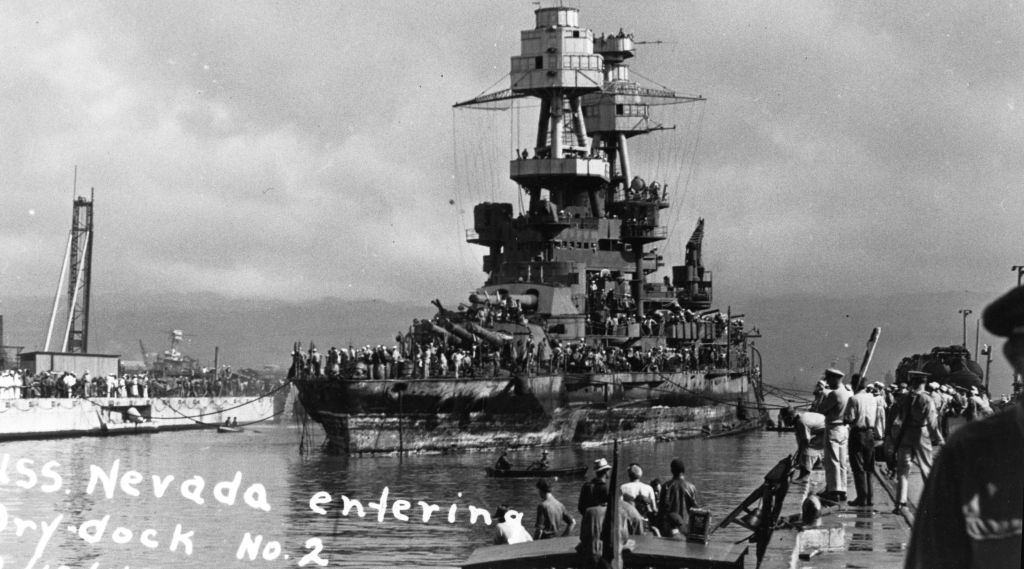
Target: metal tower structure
{"points": [[589, 214], [77, 268]]}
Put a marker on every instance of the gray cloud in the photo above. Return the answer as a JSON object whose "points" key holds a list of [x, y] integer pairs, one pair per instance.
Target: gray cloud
{"points": [[295, 150]]}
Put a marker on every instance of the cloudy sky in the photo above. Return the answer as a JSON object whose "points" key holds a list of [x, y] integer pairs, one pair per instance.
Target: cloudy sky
{"points": [[295, 150]]}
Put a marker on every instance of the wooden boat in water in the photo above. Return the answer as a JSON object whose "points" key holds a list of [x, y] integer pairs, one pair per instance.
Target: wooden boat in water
{"points": [[740, 428], [781, 429], [573, 471], [112, 429], [227, 429]]}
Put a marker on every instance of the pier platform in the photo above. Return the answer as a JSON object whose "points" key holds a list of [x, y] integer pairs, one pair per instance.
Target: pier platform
{"points": [[845, 536], [44, 418]]}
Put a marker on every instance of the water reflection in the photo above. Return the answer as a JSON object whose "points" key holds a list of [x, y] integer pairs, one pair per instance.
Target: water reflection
{"points": [[725, 470]]}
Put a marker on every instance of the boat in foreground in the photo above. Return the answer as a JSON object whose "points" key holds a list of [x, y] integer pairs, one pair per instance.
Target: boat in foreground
{"points": [[639, 552]]}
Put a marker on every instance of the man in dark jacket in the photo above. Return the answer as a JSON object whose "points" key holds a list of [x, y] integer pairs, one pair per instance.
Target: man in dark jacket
{"points": [[971, 510], [678, 496], [589, 494]]}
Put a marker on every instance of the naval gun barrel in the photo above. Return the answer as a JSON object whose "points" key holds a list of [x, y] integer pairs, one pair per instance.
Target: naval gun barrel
{"points": [[471, 332], [489, 336], [526, 301], [459, 332], [435, 329]]}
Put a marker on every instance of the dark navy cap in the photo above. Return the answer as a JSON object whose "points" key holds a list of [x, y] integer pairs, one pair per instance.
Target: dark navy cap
{"points": [[1005, 316]]}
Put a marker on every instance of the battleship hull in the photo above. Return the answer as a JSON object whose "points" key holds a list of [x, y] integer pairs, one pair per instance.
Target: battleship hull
{"points": [[445, 414]]}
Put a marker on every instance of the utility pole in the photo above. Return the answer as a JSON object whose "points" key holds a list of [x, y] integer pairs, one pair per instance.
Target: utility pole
{"points": [[977, 332], [1020, 272], [965, 312], [986, 350]]}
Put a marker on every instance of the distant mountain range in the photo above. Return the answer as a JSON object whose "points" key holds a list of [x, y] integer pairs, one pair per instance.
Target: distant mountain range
{"points": [[802, 334]]}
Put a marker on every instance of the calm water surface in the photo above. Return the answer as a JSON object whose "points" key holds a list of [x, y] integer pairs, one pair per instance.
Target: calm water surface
{"points": [[725, 470]]}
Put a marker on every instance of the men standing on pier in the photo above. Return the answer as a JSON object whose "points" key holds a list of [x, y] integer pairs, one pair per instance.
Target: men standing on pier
{"points": [[679, 496], [971, 510], [590, 493], [809, 429], [862, 418], [509, 528], [640, 493], [833, 407], [919, 428], [552, 518], [591, 547]]}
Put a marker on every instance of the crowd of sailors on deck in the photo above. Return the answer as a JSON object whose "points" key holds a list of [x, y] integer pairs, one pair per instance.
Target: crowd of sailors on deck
{"points": [[613, 316], [19, 384], [645, 508], [430, 351], [896, 424], [437, 359]]}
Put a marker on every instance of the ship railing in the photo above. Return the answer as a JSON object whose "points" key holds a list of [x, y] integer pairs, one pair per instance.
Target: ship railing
{"points": [[638, 230], [665, 295], [583, 222]]}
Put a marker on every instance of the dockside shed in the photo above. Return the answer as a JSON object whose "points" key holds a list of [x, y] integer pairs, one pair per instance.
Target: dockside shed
{"points": [[60, 362]]}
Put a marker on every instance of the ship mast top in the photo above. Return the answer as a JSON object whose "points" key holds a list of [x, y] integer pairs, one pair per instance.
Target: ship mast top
{"points": [[589, 218]]}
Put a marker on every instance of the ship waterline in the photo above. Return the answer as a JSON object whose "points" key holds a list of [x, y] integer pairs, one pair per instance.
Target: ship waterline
{"points": [[441, 414], [570, 339]]}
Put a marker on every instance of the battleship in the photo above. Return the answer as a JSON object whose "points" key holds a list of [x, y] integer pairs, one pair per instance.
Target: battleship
{"points": [[571, 339]]}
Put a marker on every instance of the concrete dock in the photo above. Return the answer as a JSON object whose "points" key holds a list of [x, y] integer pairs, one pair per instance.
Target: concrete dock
{"points": [[846, 536]]}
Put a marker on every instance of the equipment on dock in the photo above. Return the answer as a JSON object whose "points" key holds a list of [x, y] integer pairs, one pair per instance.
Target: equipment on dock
{"points": [[760, 510]]}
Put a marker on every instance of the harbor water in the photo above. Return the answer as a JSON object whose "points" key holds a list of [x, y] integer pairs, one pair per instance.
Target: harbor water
{"points": [[268, 462]]}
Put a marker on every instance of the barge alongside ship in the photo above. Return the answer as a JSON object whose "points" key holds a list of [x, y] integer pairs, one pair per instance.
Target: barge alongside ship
{"points": [[47, 418], [567, 341]]}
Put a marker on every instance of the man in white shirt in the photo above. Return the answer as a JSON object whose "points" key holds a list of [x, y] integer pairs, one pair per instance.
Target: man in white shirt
{"points": [[640, 493], [833, 407], [862, 416], [510, 528]]}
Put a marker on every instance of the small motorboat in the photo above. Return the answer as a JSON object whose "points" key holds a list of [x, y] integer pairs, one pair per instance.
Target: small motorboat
{"points": [[570, 472], [730, 430]]}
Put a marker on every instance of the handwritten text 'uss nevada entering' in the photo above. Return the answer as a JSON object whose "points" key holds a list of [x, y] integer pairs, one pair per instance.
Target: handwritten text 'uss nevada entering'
{"points": [[111, 481]]}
